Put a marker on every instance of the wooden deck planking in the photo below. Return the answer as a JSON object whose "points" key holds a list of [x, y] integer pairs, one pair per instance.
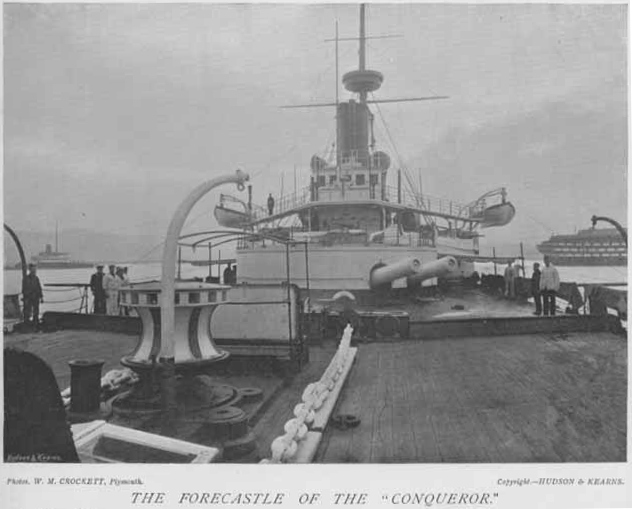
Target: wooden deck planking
{"points": [[517, 375], [379, 421], [459, 415], [547, 397], [509, 446], [483, 448], [570, 411], [439, 374], [404, 434], [484, 388], [589, 405], [57, 348], [420, 395], [533, 398], [365, 394]]}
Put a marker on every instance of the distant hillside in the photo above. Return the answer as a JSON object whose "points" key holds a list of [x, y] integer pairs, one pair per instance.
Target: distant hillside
{"points": [[87, 245]]}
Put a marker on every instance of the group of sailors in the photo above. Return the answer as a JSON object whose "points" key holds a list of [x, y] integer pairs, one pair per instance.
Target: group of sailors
{"points": [[105, 289], [545, 284]]}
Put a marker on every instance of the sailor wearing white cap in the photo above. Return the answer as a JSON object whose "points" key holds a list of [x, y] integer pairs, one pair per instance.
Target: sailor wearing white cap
{"points": [[111, 285]]}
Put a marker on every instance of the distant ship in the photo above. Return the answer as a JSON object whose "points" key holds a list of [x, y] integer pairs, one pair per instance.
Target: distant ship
{"points": [[603, 246], [49, 259]]}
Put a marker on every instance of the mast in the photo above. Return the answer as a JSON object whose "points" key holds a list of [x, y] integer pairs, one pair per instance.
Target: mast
{"points": [[57, 236], [362, 51], [337, 117], [354, 120]]}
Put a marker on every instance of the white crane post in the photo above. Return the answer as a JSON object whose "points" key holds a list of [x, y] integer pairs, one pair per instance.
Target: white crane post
{"points": [[170, 254]]}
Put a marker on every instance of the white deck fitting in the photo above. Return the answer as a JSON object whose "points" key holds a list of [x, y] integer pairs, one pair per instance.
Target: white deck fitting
{"points": [[86, 436], [309, 445]]}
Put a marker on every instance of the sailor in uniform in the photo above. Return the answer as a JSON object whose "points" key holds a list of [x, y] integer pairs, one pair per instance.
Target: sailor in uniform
{"points": [[98, 292], [32, 295], [111, 285], [270, 204]]}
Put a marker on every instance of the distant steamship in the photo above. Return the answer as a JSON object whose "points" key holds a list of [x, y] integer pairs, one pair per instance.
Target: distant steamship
{"points": [[55, 259], [603, 246]]}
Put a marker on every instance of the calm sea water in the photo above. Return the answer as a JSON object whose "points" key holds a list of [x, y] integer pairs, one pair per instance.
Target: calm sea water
{"points": [[59, 299]]}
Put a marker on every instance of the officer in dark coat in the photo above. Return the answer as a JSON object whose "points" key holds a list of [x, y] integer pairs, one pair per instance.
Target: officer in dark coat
{"points": [[32, 295], [228, 275], [270, 204], [96, 285], [535, 289]]}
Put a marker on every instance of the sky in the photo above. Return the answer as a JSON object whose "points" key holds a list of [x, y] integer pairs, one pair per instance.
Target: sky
{"points": [[114, 112]]}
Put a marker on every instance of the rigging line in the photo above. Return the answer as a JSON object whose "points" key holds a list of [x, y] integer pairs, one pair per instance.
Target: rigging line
{"points": [[146, 254], [546, 227], [322, 74], [327, 150], [319, 78], [428, 220], [618, 271], [273, 161], [63, 301], [188, 223], [392, 142], [388, 133]]}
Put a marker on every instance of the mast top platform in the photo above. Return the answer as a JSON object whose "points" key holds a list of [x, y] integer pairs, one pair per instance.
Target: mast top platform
{"points": [[362, 81]]}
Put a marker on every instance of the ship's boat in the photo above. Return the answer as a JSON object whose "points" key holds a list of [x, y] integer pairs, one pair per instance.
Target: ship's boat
{"points": [[229, 217], [498, 215]]}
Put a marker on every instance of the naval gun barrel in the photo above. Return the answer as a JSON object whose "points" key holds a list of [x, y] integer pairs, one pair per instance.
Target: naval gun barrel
{"points": [[382, 274], [437, 268]]}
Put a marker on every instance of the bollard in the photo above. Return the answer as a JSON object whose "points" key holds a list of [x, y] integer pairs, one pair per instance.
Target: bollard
{"points": [[169, 398], [85, 386]]}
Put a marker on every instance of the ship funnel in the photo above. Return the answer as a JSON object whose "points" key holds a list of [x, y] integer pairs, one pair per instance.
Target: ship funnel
{"points": [[353, 125], [382, 275], [437, 268]]}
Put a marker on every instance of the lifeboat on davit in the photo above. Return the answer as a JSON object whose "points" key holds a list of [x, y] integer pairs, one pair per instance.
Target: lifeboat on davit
{"points": [[498, 215], [230, 217]]}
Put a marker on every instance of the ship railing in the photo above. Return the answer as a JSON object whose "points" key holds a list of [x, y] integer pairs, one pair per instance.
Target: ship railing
{"points": [[432, 204], [302, 236], [403, 238], [282, 204], [69, 297], [337, 237]]}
